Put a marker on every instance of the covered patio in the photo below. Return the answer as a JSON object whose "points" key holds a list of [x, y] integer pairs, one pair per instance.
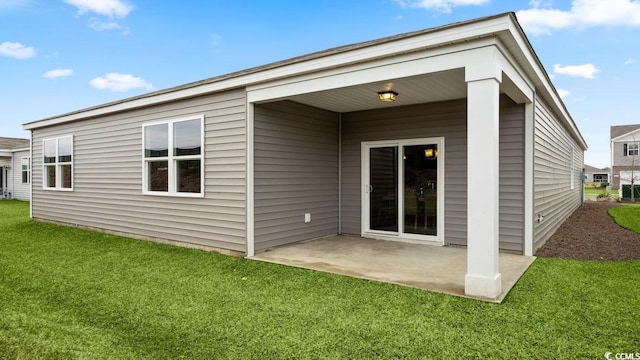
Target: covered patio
{"points": [[326, 156], [432, 268]]}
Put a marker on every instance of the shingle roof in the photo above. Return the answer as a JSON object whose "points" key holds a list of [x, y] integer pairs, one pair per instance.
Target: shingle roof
{"points": [[622, 129], [282, 63], [7, 143], [593, 169]]}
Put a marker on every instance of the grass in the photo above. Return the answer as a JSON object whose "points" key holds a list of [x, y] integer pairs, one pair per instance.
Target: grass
{"points": [[601, 192], [67, 293], [590, 190], [627, 216]]}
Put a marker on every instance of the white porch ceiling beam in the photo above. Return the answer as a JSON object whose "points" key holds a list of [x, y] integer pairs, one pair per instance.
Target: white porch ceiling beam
{"points": [[454, 57], [518, 87]]}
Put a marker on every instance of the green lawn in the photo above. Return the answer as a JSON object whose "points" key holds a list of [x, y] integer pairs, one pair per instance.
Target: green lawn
{"points": [[589, 190], [71, 293], [627, 216]]}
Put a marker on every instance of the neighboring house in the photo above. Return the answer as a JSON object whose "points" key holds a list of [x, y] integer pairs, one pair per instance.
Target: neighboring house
{"points": [[596, 175], [478, 149], [15, 168], [625, 154]]}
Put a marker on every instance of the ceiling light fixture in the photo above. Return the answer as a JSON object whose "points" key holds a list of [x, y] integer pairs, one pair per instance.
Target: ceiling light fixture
{"points": [[387, 96]]}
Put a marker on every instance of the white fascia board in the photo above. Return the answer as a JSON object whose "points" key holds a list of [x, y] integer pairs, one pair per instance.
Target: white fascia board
{"points": [[7, 153], [455, 57], [515, 73], [630, 136], [446, 36], [549, 89], [18, 150]]}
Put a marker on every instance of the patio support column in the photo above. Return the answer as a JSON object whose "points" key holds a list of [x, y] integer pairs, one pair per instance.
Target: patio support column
{"points": [[483, 277], [250, 172]]}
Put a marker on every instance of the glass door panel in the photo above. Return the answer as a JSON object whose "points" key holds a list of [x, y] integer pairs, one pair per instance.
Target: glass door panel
{"points": [[383, 190], [420, 189]]}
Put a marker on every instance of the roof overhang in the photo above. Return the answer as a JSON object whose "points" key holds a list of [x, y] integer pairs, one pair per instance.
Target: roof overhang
{"points": [[447, 54], [421, 76], [630, 136]]}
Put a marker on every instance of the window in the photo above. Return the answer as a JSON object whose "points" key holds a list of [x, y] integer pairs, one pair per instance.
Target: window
{"points": [[173, 157], [631, 149], [600, 178], [58, 163], [26, 170]]}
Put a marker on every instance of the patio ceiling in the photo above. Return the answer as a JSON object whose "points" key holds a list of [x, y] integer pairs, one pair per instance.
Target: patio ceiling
{"points": [[440, 86]]}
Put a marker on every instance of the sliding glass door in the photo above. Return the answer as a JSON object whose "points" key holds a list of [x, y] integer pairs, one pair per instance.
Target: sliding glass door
{"points": [[383, 185], [403, 188]]}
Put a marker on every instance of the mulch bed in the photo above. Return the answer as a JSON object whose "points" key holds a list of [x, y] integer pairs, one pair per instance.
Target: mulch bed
{"points": [[591, 234]]}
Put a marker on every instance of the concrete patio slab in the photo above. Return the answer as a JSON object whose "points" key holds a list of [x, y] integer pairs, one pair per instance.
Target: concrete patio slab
{"points": [[433, 268]]}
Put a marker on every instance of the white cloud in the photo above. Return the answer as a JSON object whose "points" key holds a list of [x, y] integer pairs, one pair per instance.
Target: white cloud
{"points": [[582, 14], [120, 82], [110, 8], [53, 74], [439, 5], [17, 50], [540, 3], [98, 25], [563, 93], [629, 62], [586, 71]]}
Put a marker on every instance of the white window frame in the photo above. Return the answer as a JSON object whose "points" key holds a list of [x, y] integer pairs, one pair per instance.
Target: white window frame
{"points": [[602, 178], [58, 165], [400, 235], [172, 160], [28, 170], [636, 150]]}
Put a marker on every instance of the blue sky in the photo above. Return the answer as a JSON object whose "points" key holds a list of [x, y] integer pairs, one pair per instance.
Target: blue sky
{"points": [[58, 56]]}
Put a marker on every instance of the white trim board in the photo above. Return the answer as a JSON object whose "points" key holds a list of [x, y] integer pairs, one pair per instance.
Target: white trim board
{"points": [[400, 235]]}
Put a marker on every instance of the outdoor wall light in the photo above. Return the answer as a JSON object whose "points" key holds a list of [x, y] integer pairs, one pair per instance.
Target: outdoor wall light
{"points": [[430, 153], [387, 96]]}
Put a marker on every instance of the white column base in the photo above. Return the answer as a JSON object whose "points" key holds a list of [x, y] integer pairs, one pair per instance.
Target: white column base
{"points": [[483, 286]]}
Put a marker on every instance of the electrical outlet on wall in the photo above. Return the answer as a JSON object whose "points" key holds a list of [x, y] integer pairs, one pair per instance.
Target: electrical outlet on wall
{"points": [[307, 218]]}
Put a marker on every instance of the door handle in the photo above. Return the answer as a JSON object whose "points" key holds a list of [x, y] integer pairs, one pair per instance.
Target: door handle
{"points": [[370, 189]]}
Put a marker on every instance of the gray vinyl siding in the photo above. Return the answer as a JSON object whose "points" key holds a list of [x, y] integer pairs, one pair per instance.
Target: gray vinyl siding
{"points": [[511, 167], [108, 167], [443, 119], [20, 191], [622, 162], [619, 157], [296, 172], [553, 197], [617, 179], [588, 177]]}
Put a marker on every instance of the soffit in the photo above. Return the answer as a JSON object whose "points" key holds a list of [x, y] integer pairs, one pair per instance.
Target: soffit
{"points": [[445, 85]]}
